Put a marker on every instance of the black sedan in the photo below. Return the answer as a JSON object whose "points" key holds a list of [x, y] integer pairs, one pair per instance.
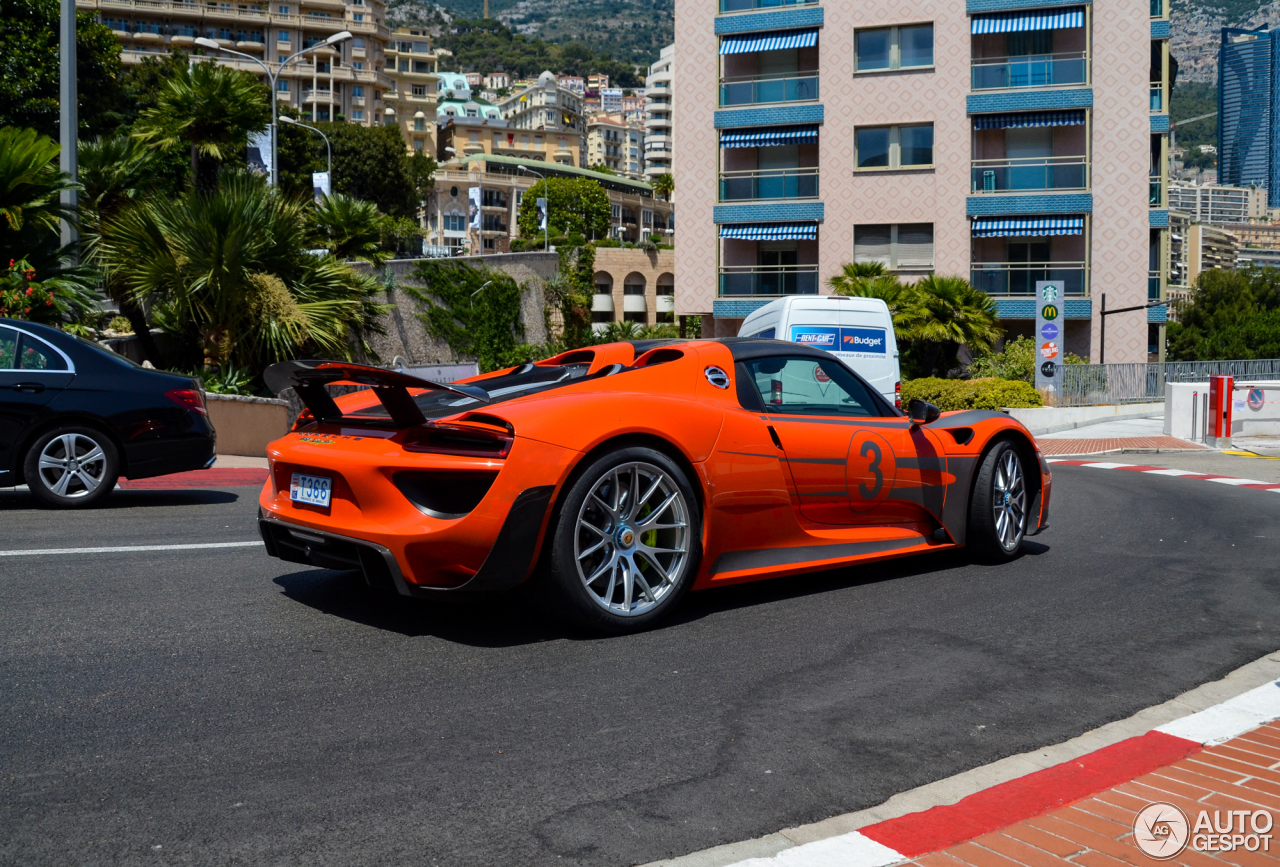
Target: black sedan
{"points": [[74, 417]]}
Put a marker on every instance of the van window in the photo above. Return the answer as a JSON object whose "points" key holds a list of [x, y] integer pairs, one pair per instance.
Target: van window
{"points": [[809, 386], [767, 334]]}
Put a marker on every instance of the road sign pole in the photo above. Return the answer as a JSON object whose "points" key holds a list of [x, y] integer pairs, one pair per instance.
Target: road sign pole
{"points": [[1050, 336]]}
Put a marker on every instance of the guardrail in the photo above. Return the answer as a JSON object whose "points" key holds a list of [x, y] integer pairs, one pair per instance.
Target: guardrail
{"points": [[1094, 384]]}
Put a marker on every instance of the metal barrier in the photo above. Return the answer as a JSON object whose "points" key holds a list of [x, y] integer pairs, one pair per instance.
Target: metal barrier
{"points": [[1096, 384]]}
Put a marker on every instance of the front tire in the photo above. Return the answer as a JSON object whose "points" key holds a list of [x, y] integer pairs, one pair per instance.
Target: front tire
{"points": [[71, 467], [626, 543], [998, 506]]}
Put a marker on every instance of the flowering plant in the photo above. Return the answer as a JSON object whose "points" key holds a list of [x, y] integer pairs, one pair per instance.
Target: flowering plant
{"points": [[21, 297]]}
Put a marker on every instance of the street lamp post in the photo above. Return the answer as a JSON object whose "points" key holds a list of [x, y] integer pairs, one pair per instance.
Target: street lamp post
{"points": [[272, 76], [327, 147], [546, 226]]}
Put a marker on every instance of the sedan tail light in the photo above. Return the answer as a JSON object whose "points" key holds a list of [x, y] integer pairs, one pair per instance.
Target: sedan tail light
{"points": [[450, 439], [188, 398]]}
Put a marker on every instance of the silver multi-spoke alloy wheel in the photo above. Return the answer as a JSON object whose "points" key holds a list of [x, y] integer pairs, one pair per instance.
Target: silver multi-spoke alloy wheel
{"points": [[631, 539], [1009, 500], [72, 465]]}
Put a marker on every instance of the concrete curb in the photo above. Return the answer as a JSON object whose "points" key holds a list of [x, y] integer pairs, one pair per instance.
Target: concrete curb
{"points": [[953, 789]]}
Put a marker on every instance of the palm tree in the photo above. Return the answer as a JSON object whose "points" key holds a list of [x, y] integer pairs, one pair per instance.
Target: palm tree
{"points": [[116, 173], [943, 314], [31, 186], [664, 185], [229, 271], [211, 108], [350, 228]]}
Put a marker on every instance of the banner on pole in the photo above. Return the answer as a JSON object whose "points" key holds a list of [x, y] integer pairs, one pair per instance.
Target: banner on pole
{"points": [[320, 184], [1050, 334], [259, 158]]}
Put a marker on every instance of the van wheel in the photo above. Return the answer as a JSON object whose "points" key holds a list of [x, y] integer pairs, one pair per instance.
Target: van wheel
{"points": [[71, 468]]}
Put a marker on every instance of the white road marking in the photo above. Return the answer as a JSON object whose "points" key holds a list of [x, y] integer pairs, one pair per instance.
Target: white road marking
{"points": [[1106, 466], [1172, 473], [1237, 481], [1233, 717], [128, 549], [846, 850]]}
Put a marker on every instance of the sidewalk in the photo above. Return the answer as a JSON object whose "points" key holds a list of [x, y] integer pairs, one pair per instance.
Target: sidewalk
{"points": [[1145, 434]]}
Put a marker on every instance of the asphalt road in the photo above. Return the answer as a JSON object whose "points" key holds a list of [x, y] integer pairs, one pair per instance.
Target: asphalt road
{"points": [[220, 707]]}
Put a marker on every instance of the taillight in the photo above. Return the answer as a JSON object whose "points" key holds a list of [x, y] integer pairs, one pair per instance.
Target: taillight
{"points": [[775, 392], [448, 439], [897, 395], [188, 398]]}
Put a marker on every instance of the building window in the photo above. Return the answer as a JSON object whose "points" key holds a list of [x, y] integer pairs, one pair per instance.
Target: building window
{"points": [[455, 223], [419, 90], [284, 36], [357, 65], [419, 125], [906, 246], [357, 42], [893, 147], [282, 86], [357, 16], [357, 90], [284, 10], [357, 114], [893, 48]]}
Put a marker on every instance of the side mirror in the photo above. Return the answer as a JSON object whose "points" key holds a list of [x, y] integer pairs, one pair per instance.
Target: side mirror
{"points": [[921, 412]]}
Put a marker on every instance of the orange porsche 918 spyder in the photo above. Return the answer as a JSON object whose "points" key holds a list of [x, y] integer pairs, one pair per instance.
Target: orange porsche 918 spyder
{"points": [[620, 476]]}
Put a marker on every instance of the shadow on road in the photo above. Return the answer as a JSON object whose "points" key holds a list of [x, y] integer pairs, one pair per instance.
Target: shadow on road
{"points": [[512, 619], [13, 500]]}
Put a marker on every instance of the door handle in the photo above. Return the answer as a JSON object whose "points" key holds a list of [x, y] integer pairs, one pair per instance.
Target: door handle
{"points": [[33, 387]]}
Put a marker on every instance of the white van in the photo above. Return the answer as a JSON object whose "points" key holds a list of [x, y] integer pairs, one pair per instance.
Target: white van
{"points": [[859, 331]]}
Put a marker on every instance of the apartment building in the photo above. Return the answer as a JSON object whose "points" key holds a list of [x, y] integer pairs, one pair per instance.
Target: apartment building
{"points": [[410, 100], [1214, 203], [1197, 247], [547, 107], [343, 82], [497, 182], [1248, 93], [469, 135], [659, 134], [615, 144], [1010, 141], [497, 81]]}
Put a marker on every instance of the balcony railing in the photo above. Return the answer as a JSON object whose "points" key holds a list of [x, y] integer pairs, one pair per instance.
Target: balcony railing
{"points": [[1157, 96], [1019, 278], [748, 5], [1039, 70], [1033, 173], [1153, 285], [753, 90], [769, 280], [769, 184], [1155, 191]]}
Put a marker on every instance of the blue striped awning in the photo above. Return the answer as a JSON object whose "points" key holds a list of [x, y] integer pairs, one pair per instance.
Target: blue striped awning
{"points": [[1033, 118], [772, 136], [1013, 22], [1036, 227], [771, 232], [773, 41]]}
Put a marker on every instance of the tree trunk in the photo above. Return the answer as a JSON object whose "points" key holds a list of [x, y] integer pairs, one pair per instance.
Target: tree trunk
{"points": [[138, 320]]}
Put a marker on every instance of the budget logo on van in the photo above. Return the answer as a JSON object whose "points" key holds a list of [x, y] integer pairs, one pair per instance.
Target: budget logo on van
{"points": [[862, 340], [817, 337]]}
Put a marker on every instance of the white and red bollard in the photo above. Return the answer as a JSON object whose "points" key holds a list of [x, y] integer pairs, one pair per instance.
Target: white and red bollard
{"points": [[1218, 427]]}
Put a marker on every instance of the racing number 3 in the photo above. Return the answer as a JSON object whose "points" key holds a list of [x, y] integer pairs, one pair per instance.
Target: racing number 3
{"points": [[871, 470]]}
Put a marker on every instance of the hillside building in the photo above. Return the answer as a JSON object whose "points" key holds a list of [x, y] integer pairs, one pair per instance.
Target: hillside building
{"points": [[659, 133]]}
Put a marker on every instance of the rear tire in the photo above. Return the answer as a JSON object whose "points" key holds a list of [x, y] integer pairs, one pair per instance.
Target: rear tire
{"points": [[626, 544], [71, 467], [998, 507]]}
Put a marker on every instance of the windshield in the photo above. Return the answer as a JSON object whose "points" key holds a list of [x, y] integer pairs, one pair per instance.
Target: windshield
{"points": [[518, 383]]}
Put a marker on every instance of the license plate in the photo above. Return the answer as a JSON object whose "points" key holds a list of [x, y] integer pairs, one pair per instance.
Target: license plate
{"points": [[313, 490]]}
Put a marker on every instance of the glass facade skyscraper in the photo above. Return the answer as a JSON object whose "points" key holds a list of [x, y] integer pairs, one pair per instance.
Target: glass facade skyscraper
{"points": [[1248, 74]]}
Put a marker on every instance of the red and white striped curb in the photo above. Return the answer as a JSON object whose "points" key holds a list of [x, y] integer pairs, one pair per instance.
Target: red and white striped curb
{"points": [[1161, 471], [916, 834]]}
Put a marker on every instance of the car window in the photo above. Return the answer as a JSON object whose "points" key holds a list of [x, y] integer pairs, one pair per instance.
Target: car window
{"points": [[37, 355], [8, 349], [809, 386]]}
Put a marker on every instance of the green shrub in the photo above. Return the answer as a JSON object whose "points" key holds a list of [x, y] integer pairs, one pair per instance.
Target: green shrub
{"points": [[120, 325], [988, 393]]}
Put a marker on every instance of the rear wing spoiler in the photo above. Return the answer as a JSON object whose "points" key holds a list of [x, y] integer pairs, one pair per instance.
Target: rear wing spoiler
{"points": [[309, 377]]}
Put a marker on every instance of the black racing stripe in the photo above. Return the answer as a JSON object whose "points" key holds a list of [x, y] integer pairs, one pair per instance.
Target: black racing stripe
{"points": [[967, 418], [925, 463], [854, 422], [750, 454], [736, 561], [833, 461]]}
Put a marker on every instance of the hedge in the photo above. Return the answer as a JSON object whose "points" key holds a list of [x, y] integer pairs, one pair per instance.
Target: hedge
{"points": [[988, 393]]}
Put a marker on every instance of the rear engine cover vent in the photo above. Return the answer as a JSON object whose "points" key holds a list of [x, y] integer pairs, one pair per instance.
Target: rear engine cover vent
{"points": [[445, 494]]}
